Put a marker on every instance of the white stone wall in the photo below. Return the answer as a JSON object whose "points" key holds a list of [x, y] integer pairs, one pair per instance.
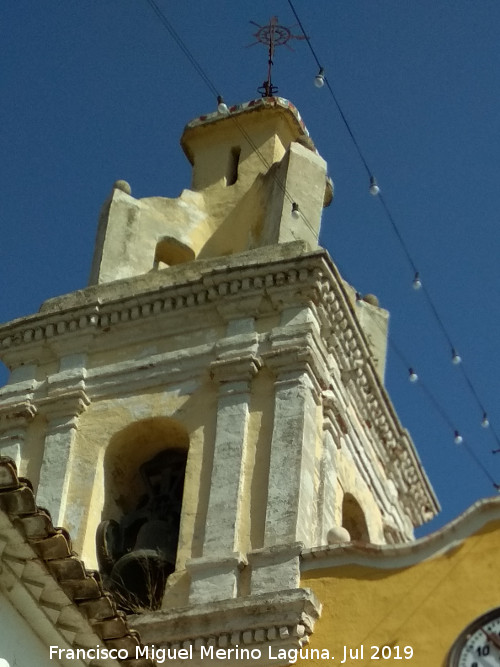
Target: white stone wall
{"points": [[19, 645]]}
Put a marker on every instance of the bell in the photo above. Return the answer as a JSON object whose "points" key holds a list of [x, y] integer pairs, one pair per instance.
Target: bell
{"points": [[139, 578]]}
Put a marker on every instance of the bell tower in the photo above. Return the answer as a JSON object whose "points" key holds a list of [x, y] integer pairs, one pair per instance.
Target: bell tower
{"points": [[214, 401]]}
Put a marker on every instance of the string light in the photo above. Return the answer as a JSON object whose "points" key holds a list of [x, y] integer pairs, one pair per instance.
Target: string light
{"points": [[374, 188], [222, 107], [417, 283], [440, 410], [413, 377], [319, 79], [295, 210], [455, 357], [485, 422]]}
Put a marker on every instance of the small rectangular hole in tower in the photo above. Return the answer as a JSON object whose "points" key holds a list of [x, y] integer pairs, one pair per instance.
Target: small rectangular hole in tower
{"points": [[232, 166]]}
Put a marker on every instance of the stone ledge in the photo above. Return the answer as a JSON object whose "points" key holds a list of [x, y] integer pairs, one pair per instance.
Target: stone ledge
{"points": [[281, 620]]}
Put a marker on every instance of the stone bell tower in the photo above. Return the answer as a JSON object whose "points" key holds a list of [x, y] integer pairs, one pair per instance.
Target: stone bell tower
{"points": [[213, 401]]}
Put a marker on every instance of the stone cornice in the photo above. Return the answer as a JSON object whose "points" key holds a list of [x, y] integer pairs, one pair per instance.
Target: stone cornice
{"points": [[283, 619], [235, 369], [64, 408], [392, 443], [14, 414], [259, 104], [203, 290]]}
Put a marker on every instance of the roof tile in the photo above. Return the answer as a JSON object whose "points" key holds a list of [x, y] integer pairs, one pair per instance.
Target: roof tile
{"points": [[53, 546]]}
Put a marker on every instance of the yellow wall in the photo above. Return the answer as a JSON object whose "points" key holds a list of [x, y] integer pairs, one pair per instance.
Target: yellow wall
{"points": [[424, 606]]}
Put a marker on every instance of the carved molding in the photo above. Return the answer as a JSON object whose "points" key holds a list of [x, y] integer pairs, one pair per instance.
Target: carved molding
{"points": [[13, 415], [66, 407], [237, 369], [283, 619], [288, 362]]}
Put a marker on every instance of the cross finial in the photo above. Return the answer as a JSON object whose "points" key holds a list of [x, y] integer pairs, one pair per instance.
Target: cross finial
{"points": [[272, 35]]}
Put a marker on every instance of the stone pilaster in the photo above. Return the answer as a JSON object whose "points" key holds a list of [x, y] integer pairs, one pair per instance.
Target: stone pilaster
{"points": [[17, 411], [214, 578], [292, 469], [275, 568], [215, 575], [14, 420], [328, 474], [59, 463]]}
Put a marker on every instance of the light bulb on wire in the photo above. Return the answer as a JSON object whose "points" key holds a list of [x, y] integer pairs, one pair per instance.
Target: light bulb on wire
{"points": [[417, 283], [412, 376], [485, 422], [457, 439], [222, 107], [295, 211], [319, 79], [455, 357], [374, 188]]}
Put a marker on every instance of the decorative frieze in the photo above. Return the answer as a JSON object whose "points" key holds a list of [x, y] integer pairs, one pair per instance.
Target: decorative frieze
{"points": [[101, 315], [272, 621]]}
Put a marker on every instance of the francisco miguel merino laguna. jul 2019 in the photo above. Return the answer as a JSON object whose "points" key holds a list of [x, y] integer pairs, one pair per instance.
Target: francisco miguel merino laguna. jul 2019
{"points": [[161, 655]]}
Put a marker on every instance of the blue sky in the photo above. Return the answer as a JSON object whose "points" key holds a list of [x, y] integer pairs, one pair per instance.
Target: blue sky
{"points": [[96, 91]]}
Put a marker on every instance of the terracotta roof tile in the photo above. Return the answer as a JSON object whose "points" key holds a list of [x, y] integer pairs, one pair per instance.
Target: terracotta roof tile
{"points": [[53, 546]]}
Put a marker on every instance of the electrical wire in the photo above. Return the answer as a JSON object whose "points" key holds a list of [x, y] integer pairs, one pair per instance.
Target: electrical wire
{"points": [[332, 93], [180, 43]]}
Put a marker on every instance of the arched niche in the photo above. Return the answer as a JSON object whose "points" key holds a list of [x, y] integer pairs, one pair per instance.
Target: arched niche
{"points": [[128, 449], [136, 541], [170, 251], [353, 519]]}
